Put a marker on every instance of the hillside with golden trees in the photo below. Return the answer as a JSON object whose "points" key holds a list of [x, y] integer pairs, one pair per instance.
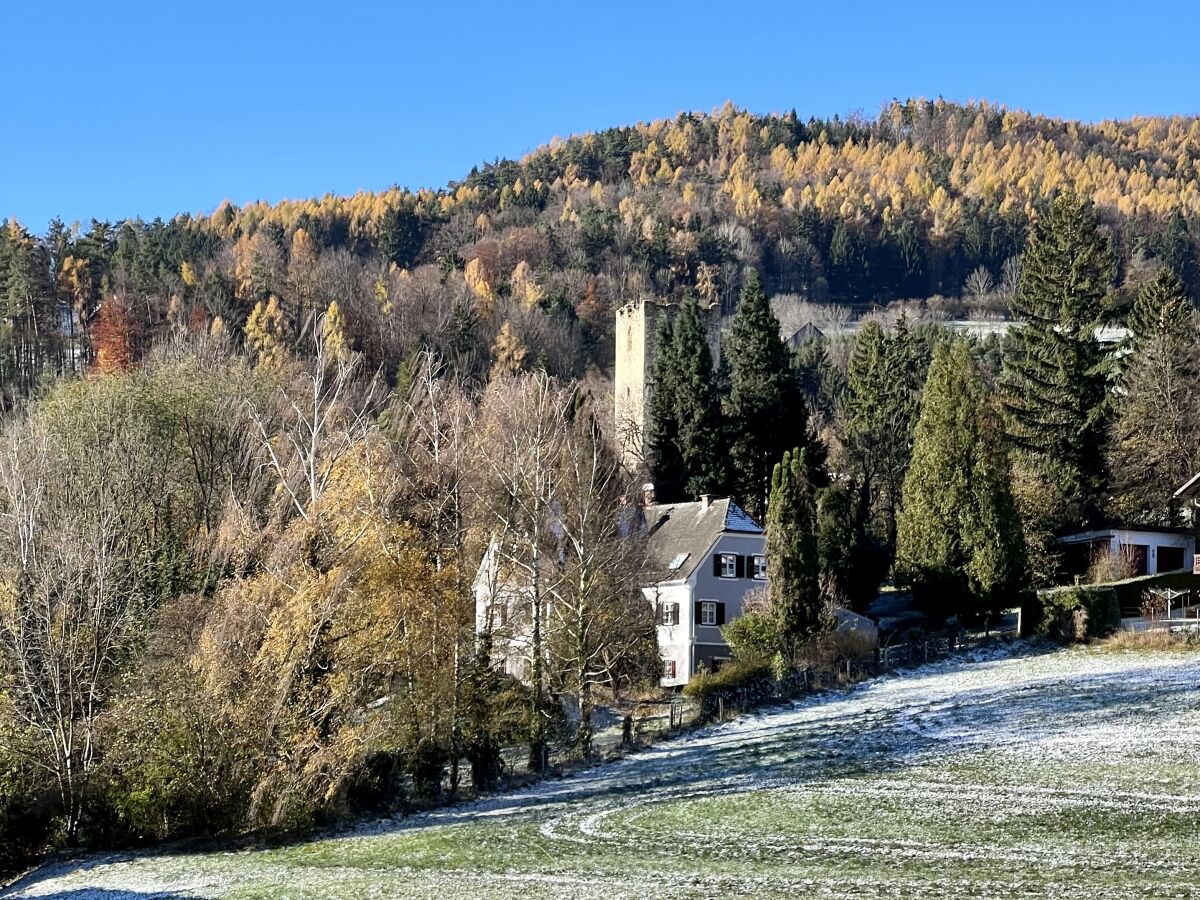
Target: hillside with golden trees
{"points": [[930, 199]]}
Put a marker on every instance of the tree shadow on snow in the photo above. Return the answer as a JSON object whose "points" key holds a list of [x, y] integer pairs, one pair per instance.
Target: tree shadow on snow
{"points": [[843, 734], [57, 868]]}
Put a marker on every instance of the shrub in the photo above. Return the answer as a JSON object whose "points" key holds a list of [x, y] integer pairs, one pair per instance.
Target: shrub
{"points": [[376, 785], [1107, 567], [825, 651], [1079, 613], [752, 635], [29, 820], [740, 677], [427, 764], [174, 766]]}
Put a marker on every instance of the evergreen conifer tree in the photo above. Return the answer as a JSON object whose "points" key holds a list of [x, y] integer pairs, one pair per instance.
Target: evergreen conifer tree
{"points": [[884, 377], [765, 408], [1156, 434], [1055, 374], [792, 553], [959, 538], [851, 561], [662, 423], [700, 434]]}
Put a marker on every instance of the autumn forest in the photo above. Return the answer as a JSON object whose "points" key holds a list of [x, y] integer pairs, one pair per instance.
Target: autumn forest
{"points": [[251, 458]]}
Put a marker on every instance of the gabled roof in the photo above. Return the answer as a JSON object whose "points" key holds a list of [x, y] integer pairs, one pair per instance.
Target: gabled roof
{"points": [[680, 534], [807, 332]]}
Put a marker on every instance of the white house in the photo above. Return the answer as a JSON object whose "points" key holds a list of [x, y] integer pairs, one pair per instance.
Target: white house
{"points": [[1149, 551], [706, 557], [709, 555], [502, 608]]}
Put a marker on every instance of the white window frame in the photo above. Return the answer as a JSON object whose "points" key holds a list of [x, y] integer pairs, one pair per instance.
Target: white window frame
{"points": [[708, 607], [760, 568], [497, 615], [667, 613], [729, 565]]}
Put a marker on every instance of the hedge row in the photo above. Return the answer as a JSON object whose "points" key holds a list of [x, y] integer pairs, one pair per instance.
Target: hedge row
{"points": [[1129, 591], [1081, 612]]}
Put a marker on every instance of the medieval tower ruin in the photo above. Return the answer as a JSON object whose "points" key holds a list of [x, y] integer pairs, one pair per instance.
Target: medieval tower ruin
{"points": [[636, 328]]}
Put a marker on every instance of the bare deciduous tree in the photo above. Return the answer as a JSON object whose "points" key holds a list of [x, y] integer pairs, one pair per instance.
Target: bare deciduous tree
{"points": [[73, 591]]}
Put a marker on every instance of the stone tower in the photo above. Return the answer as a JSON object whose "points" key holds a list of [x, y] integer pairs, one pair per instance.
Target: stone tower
{"points": [[636, 328]]}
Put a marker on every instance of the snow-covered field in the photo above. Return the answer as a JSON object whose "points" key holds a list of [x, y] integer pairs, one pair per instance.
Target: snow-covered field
{"points": [[1067, 774]]}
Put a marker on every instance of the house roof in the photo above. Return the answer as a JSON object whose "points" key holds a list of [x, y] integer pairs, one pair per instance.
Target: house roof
{"points": [[1190, 488], [1103, 534], [681, 533], [805, 333]]}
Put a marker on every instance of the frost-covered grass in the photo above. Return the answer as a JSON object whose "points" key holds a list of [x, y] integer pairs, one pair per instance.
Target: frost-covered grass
{"points": [[1066, 774]]}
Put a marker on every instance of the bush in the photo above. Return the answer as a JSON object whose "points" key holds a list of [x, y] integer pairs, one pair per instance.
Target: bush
{"points": [[743, 680], [376, 785], [825, 651], [173, 767], [752, 635], [1079, 613], [427, 764], [29, 820]]}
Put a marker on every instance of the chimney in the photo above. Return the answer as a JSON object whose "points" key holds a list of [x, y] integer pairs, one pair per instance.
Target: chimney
{"points": [[705, 501], [648, 493]]}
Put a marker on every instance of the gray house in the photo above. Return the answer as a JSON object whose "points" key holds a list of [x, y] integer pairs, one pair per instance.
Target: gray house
{"points": [[709, 555]]}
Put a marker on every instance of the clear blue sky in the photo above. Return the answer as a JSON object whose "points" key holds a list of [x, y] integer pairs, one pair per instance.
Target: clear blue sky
{"points": [[131, 108]]}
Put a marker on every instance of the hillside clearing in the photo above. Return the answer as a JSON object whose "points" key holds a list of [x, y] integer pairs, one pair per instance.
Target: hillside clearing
{"points": [[1066, 774]]}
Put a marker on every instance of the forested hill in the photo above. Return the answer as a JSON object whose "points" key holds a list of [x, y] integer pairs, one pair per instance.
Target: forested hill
{"points": [[929, 198]]}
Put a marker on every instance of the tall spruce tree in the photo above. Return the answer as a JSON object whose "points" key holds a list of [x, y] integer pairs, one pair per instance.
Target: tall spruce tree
{"points": [[662, 423], [884, 376], [765, 407], [1055, 377], [851, 561], [792, 553], [1156, 434], [960, 540], [700, 426]]}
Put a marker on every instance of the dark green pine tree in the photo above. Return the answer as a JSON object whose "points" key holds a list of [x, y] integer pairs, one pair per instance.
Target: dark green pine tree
{"points": [[662, 424], [1160, 311], [885, 375], [793, 555], [1174, 246], [765, 408], [959, 540], [852, 562], [1156, 434], [700, 426], [1055, 377]]}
